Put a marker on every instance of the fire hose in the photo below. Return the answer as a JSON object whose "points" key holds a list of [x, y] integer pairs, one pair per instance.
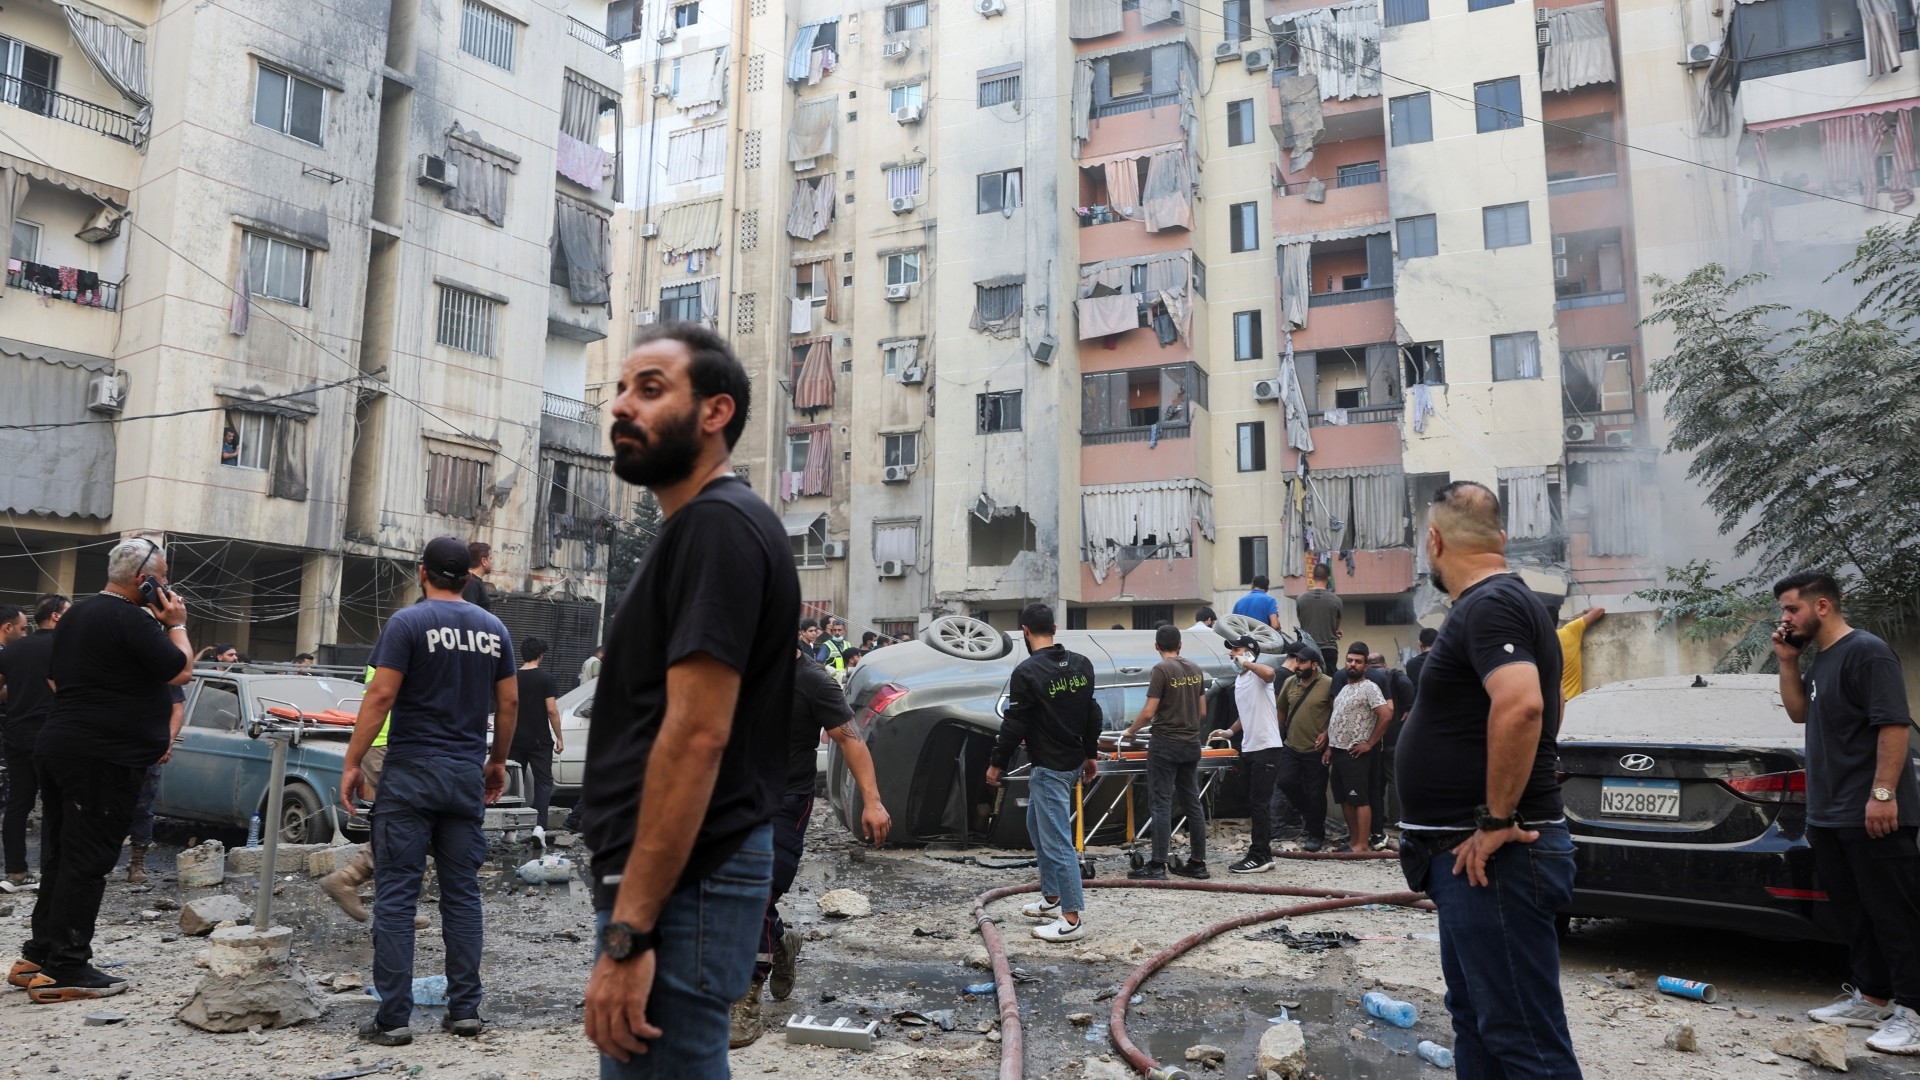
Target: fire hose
{"points": [[1012, 1055]]}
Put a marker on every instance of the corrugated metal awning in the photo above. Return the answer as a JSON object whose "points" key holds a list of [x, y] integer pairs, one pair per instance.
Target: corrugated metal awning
{"points": [[29, 351], [91, 188], [1334, 234], [801, 522]]}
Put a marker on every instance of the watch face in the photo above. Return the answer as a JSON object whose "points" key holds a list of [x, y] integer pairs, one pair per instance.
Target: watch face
{"points": [[616, 940]]}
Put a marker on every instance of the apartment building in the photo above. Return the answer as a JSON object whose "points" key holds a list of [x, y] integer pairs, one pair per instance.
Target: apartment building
{"points": [[305, 287]]}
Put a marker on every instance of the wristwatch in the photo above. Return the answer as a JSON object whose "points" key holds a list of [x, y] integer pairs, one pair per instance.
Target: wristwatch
{"points": [[624, 941], [1484, 819], [1881, 794]]}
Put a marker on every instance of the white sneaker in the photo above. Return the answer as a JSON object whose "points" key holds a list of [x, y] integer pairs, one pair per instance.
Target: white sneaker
{"points": [[1042, 910], [1852, 1010], [1899, 1035], [1061, 930]]}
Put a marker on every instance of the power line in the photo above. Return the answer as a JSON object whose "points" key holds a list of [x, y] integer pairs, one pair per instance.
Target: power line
{"points": [[241, 404]]}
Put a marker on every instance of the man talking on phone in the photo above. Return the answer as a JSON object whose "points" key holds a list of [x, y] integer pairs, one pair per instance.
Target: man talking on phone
{"points": [[116, 655]]}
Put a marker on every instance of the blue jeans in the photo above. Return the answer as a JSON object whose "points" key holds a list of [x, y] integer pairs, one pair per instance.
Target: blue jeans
{"points": [[142, 835], [1501, 959], [428, 805], [789, 844], [1050, 826], [708, 934]]}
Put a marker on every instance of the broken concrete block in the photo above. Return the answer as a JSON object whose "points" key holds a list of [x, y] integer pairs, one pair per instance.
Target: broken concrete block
{"points": [[1682, 1038], [503, 818], [287, 858], [1080, 1019], [242, 950], [1206, 1054], [844, 904], [202, 866], [202, 915], [322, 863], [980, 958], [1283, 1050], [273, 998], [1822, 1044], [841, 1034]]}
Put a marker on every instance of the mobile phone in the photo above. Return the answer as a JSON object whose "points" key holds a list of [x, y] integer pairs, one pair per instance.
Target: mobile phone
{"points": [[152, 593], [1792, 639]]}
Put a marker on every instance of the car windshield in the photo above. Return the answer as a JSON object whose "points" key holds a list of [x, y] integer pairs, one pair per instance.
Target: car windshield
{"points": [[309, 695], [1747, 714]]}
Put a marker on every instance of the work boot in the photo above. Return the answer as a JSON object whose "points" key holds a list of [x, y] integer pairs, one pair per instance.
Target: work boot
{"points": [[786, 953], [745, 1026], [344, 884], [137, 865]]}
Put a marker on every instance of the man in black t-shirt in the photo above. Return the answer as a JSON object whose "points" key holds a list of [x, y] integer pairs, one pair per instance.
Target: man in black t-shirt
{"points": [[1483, 831], [536, 738], [475, 591], [23, 675], [114, 661], [1863, 804], [1176, 706], [688, 757]]}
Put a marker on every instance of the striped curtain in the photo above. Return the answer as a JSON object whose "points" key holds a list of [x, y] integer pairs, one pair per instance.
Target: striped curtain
{"points": [[817, 477], [813, 388], [1849, 144]]}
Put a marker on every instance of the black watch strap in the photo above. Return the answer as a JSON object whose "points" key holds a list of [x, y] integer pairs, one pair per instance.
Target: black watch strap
{"points": [[1484, 818], [624, 941]]}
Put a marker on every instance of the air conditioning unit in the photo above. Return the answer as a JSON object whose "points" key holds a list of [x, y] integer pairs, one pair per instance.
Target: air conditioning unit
{"points": [[1539, 16], [649, 230], [907, 114], [667, 34], [105, 394], [1559, 245], [902, 204], [646, 318], [1559, 268], [1259, 59], [896, 474], [1266, 390], [1543, 35], [663, 90], [1702, 53], [898, 293], [834, 549], [1043, 352], [893, 568], [990, 8], [104, 225], [1581, 431], [897, 50], [913, 376], [1622, 437], [1225, 51], [438, 172]]}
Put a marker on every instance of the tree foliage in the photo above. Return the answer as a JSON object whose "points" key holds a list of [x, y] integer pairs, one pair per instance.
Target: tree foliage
{"points": [[632, 536], [1802, 425]]}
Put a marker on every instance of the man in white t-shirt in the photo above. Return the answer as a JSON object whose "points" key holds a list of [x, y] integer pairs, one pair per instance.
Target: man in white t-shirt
{"points": [[1360, 716], [1259, 729]]}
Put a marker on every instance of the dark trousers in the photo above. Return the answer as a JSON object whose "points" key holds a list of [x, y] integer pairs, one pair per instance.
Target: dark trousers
{"points": [[1304, 780], [1173, 790], [427, 805], [539, 761], [789, 843], [1873, 886], [1385, 799], [1263, 771], [25, 787], [87, 810], [141, 833]]}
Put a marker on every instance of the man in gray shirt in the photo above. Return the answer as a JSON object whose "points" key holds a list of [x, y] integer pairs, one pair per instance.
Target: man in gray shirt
{"points": [[1319, 610]]}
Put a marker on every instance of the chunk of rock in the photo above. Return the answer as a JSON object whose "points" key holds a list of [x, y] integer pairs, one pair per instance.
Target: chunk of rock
{"points": [[264, 999], [202, 915], [287, 858], [978, 958], [844, 904], [1206, 1054], [1080, 1019], [202, 866], [1682, 1038], [1283, 1050], [1822, 1044], [324, 862]]}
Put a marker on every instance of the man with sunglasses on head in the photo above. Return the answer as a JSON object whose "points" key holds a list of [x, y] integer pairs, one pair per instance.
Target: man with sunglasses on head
{"points": [[116, 657]]}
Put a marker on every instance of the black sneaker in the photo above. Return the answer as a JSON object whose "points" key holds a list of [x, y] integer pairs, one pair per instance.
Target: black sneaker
{"points": [[1153, 871], [467, 1028], [1343, 849], [1310, 844], [1253, 864], [1192, 868], [89, 982], [1381, 843], [372, 1032]]}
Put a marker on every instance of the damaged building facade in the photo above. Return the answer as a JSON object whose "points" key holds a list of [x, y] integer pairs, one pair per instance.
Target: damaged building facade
{"points": [[295, 289]]}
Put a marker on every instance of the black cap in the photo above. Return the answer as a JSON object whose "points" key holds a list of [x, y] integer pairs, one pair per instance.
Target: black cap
{"points": [[1245, 641], [446, 557], [1306, 650]]}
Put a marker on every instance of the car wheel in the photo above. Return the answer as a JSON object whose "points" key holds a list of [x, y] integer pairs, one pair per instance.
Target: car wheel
{"points": [[1269, 639], [967, 638], [302, 818]]}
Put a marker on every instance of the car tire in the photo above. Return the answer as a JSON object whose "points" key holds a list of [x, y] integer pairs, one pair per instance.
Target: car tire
{"points": [[307, 815], [1234, 626], [967, 638]]}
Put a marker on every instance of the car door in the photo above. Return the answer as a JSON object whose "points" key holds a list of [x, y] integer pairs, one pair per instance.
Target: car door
{"points": [[197, 782], [576, 715]]}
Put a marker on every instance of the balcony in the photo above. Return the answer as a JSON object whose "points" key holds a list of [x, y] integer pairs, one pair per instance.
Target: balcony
{"points": [[1352, 197], [1587, 300], [1568, 185], [580, 31], [31, 278], [567, 424], [1136, 103], [1350, 296], [71, 110], [1389, 413]]}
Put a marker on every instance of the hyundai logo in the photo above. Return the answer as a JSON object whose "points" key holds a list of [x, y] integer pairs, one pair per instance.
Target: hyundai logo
{"points": [[1636, 763]]}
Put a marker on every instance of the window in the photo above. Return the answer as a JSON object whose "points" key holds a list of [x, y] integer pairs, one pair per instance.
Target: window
{"points": [[1199, 278], [1796, 35], [1246, 335], [799, 444], [897, 629], [1238, 17], [456, 486], [1152, 616], [1412, 119], [1419, 236], [1000, 86], [686, 14], [254, 450], [680, 303], [1506, 225], [1395, 612], [810, 545], [1357, 174], [487, 34], [897, 356], [1482, 5], [1516, 356], [993, 303], [1402, 12], [910, 96], [1243, 225], [903, 17], [26, 241], [277, 269], [28, 76], [903, 182], [1240, 122], [694, 154], [1426, 363], [901, 450], [289, 105], [903, 268], [1253, 558], [998, 192], [999, 411], [1496, 105], [466, 321], [1250, 446]]}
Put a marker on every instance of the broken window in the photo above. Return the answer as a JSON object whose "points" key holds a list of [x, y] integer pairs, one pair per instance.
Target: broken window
{"points": [[1598, 380], [1253, 558], [1000, 540], [1426, 363], [1140, 399], [998, 411], [810, 544], [1124, 524], [1589, 269]]}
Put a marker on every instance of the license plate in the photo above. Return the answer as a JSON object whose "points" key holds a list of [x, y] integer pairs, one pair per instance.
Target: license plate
{"points": [[1640, 798]]}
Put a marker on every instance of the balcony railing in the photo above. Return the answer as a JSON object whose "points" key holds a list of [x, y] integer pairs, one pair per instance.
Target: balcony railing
{"points": [[1135, 103], [1136, 434], [1357, 178], [567, 408], [1584, 300], [582, 32], [38, 99], [1350, 296], [32, 277], [1364, 414], [1569, 184]]}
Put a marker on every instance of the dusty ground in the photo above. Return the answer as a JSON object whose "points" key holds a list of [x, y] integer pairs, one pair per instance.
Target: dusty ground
{"points": [[913, 953]]}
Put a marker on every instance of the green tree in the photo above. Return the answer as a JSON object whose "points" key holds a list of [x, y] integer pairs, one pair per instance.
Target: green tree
{"points": [[632, 536], [1804, 428]]}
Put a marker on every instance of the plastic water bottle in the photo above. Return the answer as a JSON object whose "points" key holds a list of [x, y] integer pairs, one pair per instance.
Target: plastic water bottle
{"points": [[1398, 1013], [1434, 1054], [253, 830]]}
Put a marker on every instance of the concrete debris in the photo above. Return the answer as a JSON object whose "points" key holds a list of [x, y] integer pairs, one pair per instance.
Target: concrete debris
{"points": [[1744, 1014], [322, 863], [1621, 980], [1682, 1038], [201, 916], [1822, 1044], [504, 818], [1106, 1069], [203, 866], [287, 858], [1283, 1050], [844, 904], [1090, 956], [979, 958], [364, 1070], [842, 1033], [1206, 1054], [1080, 1019], [167, 903], [1766, 1059], [102, 1019], [546, 870], [272, 998]]}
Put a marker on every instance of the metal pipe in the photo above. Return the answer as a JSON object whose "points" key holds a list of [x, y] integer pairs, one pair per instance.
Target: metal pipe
{"points": [[270, 832]]}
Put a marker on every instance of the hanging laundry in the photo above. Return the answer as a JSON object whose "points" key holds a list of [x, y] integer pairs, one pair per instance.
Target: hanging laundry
{"points": [[802, 320]]}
